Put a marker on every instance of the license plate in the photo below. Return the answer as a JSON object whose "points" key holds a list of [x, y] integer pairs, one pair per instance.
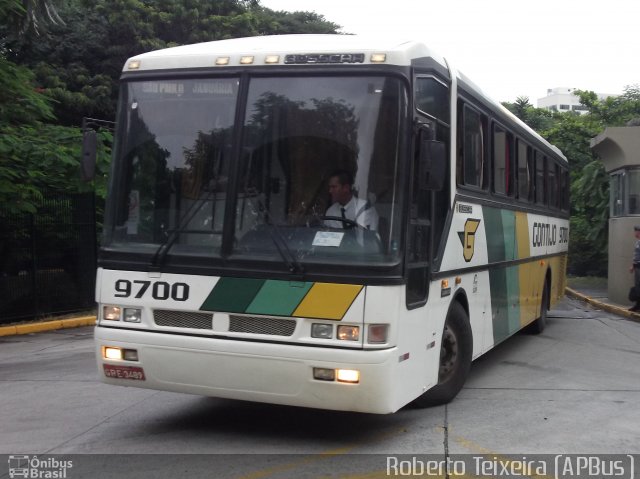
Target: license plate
{"points": [[123, 372]]}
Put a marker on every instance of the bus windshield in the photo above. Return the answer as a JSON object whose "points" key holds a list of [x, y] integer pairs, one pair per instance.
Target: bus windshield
{"points": [[311, 173]]}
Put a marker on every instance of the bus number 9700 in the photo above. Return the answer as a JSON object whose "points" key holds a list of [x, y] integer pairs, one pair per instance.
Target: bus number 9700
{"points": [[159, 290]]}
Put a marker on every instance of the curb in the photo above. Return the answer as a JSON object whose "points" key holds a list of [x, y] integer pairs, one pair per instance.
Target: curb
{"points": [[620, 311], [47, 326]]}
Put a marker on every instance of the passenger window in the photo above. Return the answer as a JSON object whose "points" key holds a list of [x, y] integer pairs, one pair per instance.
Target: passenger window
{"points": [[540, 185], [524, 173], [553, 184], [473, 149], [502, 163], [565, 190]]}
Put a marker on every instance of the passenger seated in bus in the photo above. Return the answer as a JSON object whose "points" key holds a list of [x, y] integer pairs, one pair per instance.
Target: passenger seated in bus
{"points": [[345, 204]]}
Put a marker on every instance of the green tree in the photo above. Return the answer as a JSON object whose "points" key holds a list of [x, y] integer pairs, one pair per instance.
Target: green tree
{"points": [[536, 118], [590, 184], [78, 63], [35, 154], [572, 133]]}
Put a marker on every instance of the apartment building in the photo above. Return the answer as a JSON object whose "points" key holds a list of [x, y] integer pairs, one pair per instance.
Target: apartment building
{"points": [[564, 99]]}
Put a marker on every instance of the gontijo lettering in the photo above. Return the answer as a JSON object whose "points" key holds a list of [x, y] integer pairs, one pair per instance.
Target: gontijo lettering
{"points": [[546, 234]]}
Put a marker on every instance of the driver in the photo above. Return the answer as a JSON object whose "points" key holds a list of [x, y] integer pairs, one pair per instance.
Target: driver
{"points": [[348, 206]]}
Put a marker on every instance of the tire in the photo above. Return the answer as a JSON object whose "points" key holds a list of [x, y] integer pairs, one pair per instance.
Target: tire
{"points": [[537, 326], [456, 351]]}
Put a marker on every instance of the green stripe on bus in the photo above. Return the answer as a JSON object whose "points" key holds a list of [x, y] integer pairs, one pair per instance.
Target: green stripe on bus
{"points": [[232, 295], [279, 298], [495, 236], [513, 291], [509, 231], [499, 304], [505, 302], [500, 227]]}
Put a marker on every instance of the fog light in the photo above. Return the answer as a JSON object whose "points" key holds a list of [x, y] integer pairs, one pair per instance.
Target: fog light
{"points": [[323, 331], [130, 355], [348, 376], [378, 333], [132, 315], [323, 374], [349, 333], [112, 353], [111, 313]]}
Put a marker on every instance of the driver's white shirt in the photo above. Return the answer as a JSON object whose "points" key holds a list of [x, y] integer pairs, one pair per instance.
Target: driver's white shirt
{"points": [[355, 210]]}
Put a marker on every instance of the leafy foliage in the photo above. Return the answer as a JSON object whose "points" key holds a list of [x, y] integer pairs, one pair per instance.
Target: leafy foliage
{"points": [[78, 62], [20, 101], [572, 133], [41, 158]]}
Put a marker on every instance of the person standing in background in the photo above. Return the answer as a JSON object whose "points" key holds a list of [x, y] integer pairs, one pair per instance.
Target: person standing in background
{"points": [[635, 269]]}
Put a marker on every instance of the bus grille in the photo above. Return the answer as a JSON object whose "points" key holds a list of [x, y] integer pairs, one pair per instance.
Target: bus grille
{"points": [[261, 325], [183, 319]]}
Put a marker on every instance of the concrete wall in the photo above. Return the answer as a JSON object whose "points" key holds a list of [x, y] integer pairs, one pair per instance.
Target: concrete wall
{"points": [[620, 257]]}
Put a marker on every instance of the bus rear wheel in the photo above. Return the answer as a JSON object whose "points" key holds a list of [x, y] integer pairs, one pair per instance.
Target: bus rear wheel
{"points": [[455, 359]]}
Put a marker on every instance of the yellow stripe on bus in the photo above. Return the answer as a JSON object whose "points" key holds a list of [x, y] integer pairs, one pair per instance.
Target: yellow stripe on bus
{"points": [[328, 301]]}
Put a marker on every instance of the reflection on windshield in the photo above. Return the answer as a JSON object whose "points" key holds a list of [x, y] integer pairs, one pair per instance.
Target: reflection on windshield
{"points": [[317, 170], [304, 135], [175, 156]]}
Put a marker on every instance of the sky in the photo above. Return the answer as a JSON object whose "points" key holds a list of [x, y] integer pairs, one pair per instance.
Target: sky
{"points": [[509, 48]]}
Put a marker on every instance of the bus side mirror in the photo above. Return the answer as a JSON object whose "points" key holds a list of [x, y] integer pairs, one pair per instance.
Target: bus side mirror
{"points": [[88, 160], [432, 164]]}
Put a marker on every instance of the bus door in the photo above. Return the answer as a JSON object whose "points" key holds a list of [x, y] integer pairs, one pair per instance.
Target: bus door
{"points": [[430, 189]]}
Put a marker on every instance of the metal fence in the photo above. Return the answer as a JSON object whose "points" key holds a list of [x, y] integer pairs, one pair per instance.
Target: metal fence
{"points": [[48, 259]]}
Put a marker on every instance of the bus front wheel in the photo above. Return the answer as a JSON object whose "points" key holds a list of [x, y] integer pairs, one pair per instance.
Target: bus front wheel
{"points": [[455, 359]]}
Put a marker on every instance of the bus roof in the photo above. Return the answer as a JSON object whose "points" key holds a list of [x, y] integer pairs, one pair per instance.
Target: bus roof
{"points": [[328, 49], [305, 50]]}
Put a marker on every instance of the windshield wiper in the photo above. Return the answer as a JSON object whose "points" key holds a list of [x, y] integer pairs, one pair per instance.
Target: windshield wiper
{"points": [[280, 242], [161, 253]]}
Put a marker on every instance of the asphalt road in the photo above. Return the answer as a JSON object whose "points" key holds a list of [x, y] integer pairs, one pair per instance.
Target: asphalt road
{"points": [[575, 389]]}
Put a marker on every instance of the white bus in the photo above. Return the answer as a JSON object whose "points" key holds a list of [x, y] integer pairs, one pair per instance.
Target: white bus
{"points": [[227, 271]]}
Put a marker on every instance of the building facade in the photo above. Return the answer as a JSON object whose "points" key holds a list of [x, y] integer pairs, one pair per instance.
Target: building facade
{"points": [[619, 150], [564, 99]]}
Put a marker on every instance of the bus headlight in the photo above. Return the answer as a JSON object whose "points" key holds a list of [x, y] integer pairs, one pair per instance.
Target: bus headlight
{"points": [[111, 313], [378, 333], [132, 315], [112, 353], [348, 333], [118, 354], [324, 374], [323, 331], [348, 376]]}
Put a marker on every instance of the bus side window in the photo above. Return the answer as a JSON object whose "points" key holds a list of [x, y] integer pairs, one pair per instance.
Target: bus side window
{"points": [[540, 182], [524, 184], [502, 161], [553, 183], [565, 190], [473, 162]]}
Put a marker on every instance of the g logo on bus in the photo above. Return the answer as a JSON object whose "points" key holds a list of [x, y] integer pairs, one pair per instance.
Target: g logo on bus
{"points": [[468, 238]]}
